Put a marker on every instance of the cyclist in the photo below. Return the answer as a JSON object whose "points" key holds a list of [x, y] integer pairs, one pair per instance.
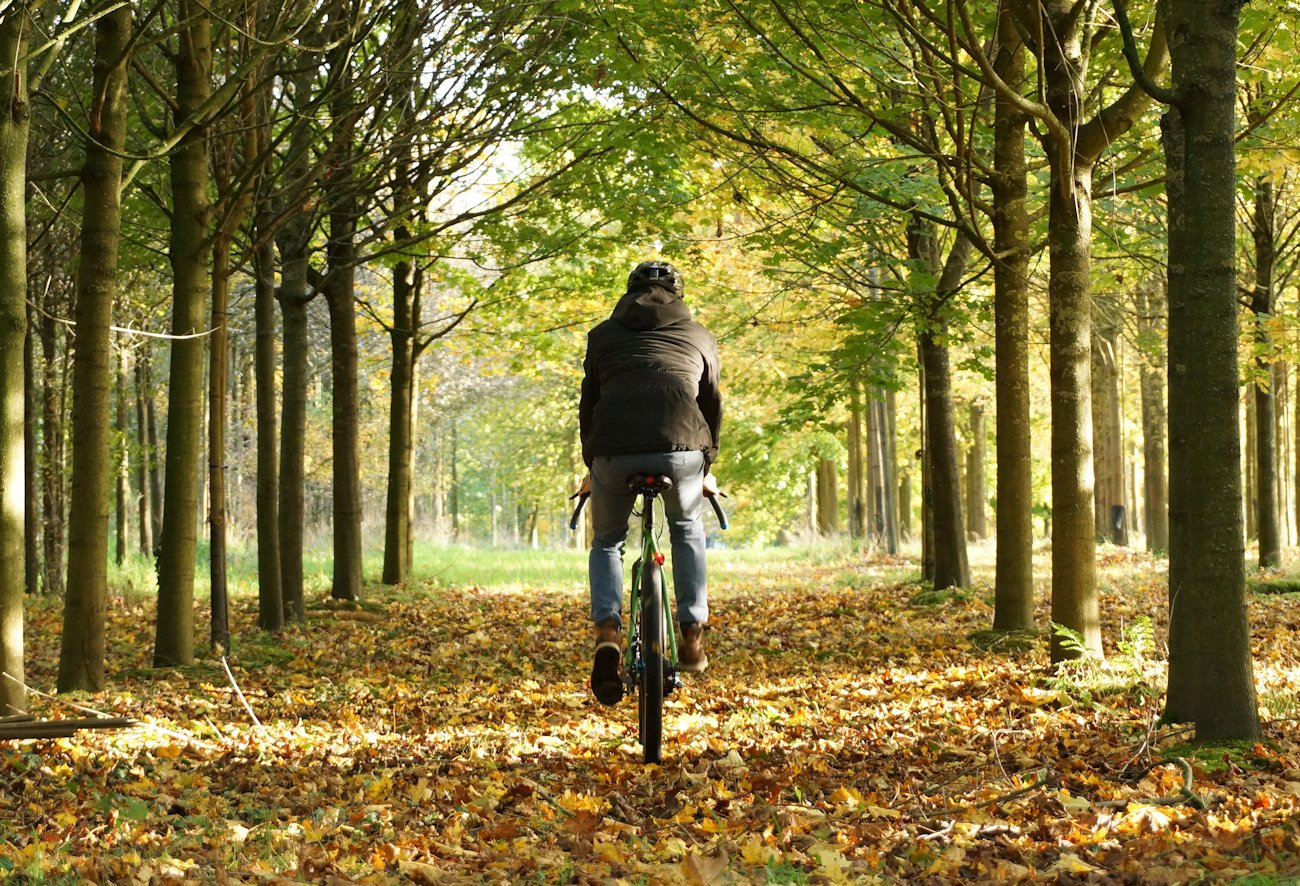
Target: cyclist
{"points": [[650, 404]]}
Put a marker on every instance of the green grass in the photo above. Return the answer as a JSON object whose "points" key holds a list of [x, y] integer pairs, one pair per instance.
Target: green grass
{"points": [[463, 566]]}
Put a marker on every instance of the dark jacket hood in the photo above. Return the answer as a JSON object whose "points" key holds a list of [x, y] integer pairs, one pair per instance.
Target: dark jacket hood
{"points": [[650, 307]]}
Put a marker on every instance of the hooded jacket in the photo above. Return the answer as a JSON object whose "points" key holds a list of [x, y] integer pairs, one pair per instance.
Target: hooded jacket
{"points": [[650, 380]]}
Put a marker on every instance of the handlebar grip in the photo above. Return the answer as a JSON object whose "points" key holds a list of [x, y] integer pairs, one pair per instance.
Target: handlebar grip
{"points": [[577, 511], [717, 509]]}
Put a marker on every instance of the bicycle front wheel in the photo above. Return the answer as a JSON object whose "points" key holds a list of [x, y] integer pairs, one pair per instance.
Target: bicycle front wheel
{"points": [[650, 698]]}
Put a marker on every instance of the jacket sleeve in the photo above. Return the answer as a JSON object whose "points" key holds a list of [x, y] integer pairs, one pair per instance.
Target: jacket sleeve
{"points": [[587, 402], [710, 399]]}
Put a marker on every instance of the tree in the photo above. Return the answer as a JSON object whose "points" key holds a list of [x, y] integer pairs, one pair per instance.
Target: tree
{"points": [[1211, 676], [14, 123], [190, 252], [81, 657]]}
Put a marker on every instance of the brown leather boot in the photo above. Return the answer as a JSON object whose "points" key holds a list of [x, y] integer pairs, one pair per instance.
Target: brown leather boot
{"points": [[606, 682], [690, 654]]}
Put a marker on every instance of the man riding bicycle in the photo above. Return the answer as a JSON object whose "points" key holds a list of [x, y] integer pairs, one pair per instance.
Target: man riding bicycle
{"points": [[650, 404]]}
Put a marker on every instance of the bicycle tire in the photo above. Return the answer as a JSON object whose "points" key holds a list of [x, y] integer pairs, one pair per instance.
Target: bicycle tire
{"points": [[650, 698]]}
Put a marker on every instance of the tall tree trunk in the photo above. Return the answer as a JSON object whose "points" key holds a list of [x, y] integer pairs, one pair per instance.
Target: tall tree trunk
{"points": [[155, 460], [294, 296], [53, 474], [896, 518], [1073, 146], [1151, 315], [31, 498], [123, 465], [344, 433], [950, 563], [1013, 581], [1248, 466], [294, 243], [14, 123], [1108, 455], [81, 655], [1211, 675], [857, 473], [397, 514], [218, 406], [975, 482], [145, 532], [190, 257], [270, 587], [1261, 305], [828, 498]]}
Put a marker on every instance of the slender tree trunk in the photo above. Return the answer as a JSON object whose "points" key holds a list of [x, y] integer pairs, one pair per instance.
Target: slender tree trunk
{"points": [[145, 532], [950, 563], [1108, 455], [270, 588], [190, 256], [123, 465], [1261, 305], [828, 498], [856, 463], [1211, 675], [294, 242], [81, 656], [1013, 582], [53, 385], [397, 516], [1151, 311], [218, 408], [155, 461], [343, 348], [31, 498], [1248, 467], [14, 122], [896, 513], [975, 482]]}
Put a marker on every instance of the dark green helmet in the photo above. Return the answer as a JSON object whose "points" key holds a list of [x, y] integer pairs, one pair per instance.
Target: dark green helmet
{"points": [[658, 272]]}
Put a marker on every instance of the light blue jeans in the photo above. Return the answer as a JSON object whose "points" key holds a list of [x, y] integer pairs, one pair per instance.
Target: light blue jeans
{"points": [[611, 506]]}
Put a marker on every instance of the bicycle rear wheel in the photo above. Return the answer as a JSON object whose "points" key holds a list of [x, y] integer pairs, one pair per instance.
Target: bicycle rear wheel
{"points": [[650, 698]]}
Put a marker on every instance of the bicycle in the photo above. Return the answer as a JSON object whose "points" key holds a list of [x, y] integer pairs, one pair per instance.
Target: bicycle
{"points": [[650, 659]]}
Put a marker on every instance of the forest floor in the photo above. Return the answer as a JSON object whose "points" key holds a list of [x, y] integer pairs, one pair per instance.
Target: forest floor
{"points": [[848, 730]]}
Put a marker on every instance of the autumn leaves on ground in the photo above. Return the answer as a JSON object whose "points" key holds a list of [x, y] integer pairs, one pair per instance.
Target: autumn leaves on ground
{"points": [[850, 729]]}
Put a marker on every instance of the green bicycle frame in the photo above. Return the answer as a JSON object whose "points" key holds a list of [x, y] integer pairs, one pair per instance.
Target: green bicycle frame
{"points": [[649, 553]]}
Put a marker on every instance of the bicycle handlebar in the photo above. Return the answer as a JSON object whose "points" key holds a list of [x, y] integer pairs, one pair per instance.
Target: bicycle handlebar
{"points": [[582, 500], [713, 500]]}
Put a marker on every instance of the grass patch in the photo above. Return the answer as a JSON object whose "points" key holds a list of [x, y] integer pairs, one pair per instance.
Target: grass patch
{"points": [[1289, 587], [931, 597]]}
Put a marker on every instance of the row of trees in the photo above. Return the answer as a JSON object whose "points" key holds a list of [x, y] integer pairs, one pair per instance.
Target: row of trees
{"points": [[842, 180]]}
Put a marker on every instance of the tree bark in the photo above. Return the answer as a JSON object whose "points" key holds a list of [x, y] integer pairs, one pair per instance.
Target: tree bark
{"points": [[975, 482], [81, 656], [14, 125], [31, 499], [1108, 454], [123, 490], [144, 510], [190, 257], [401, 445], [950, 564], [1151, 311], [1013, 581], [1211, 675], [294, 243], [218, 409], [1261, 306], [53, 473], [828, 498], [270, 587], [341, 257]]}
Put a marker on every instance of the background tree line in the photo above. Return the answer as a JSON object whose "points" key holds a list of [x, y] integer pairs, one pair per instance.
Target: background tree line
{"points": [[386, 227]]}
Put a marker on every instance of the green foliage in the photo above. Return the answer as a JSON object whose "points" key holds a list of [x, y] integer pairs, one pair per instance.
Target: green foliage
{"points": [[1131, 673]]}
